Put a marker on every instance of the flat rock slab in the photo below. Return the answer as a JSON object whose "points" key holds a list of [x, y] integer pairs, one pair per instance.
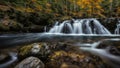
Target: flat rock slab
{"points": [[31, 62]]}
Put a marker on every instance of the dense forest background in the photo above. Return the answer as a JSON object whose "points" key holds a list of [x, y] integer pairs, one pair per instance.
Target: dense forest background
{"points": [[32, 15]]}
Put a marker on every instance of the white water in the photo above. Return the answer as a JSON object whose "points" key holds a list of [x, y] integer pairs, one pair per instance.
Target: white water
{"points": [[117, 30], [79, 26], [13, 59], [104, 53], [45, 29]]}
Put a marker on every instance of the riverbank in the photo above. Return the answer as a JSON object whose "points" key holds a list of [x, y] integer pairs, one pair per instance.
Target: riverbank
{"points": [[54, 55]]}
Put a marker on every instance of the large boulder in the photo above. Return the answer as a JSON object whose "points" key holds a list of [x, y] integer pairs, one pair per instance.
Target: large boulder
{"points": [[40, 50], [30, 62]]}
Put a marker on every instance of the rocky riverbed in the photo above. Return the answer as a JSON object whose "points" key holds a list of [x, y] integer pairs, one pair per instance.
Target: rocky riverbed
{"points": [[49, 55]]}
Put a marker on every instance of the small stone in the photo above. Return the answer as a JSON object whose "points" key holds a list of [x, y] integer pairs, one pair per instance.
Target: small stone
{"points": [[35, 49], [87, 59]]}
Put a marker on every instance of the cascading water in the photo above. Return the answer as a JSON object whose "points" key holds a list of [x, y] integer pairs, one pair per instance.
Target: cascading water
{"points": [[79, 26], [117, 30]]}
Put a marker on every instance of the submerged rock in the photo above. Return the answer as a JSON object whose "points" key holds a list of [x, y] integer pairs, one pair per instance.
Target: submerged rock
{"points": [[31, 62]]}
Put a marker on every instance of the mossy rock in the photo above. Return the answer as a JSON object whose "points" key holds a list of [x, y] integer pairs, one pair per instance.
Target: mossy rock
{"points": [[10, 25], [42, 50], [25, 50], [3, 27], [15, 26]]}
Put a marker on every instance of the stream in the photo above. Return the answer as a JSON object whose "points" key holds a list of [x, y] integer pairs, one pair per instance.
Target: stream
{"points": [[88, 34], [88, 43]]}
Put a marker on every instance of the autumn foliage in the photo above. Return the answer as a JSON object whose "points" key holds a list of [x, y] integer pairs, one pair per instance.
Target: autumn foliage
{"points": [[73, 8]]}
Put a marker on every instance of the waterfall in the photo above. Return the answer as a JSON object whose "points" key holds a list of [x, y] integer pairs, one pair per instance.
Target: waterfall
{"points": [[45, 29], [79, 26], [117, 30]]}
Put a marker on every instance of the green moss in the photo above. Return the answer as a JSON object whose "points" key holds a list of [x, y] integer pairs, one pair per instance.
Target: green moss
{"points": [[25, 50], [3, 27], [65, 18]]}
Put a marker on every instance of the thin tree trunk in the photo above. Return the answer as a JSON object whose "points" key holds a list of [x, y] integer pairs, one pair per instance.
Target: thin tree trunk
{"points": [[111, 7]]}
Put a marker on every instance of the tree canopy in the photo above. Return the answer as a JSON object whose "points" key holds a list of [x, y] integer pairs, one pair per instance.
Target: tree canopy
{"points": [[74, 8]]}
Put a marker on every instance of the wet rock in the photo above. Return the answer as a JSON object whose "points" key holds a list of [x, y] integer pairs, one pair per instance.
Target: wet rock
{"points": [[40, 50], [111, 46], [31, 62], [35, 49], [4, 57], [87, 59]]}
